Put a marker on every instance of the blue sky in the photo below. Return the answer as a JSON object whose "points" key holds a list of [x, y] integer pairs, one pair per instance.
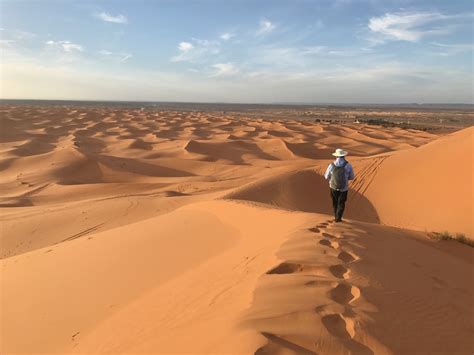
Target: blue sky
{"points": [[321, 51]]}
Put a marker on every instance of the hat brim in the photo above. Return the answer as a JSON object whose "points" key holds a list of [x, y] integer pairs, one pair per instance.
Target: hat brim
{"points": [[339, 155]]}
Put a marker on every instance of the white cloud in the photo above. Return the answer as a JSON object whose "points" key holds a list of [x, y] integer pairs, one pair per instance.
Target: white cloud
{"points": [[198, 51], [405, 26], [265, 27], [226, 36], [104, 52], [185, 46], [224, 69], [104, 16], [186, 52], [66, 46]]}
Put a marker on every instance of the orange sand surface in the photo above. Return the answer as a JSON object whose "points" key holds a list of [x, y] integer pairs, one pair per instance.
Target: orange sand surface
{"points": [[166, 232]]}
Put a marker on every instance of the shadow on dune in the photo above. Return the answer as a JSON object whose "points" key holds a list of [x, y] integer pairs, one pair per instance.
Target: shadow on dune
{"points": [[16, 202], [305, 191], [309, 150], [35, 146], [233, 151], [82, 169], [276, 343], [138, 167]]}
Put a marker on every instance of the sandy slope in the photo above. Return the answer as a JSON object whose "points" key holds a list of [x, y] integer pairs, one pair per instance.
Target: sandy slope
{"points": [[427, 188], [365, 289], [172, 284], [130, 231]]}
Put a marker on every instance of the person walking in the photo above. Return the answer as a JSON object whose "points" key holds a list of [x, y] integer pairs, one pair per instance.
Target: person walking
{"points": [[339, 172]]}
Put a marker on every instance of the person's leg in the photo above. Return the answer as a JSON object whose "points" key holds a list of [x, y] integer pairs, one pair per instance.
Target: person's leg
{"points": [[341, 204], [335, 199]]}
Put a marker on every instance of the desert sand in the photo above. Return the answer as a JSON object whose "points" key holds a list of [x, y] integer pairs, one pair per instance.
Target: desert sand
{"points": [[166, 232]]}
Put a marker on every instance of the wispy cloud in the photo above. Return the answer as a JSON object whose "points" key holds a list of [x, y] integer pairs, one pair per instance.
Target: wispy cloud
{"points": [[406, 26], [66, 46], [196, 51], [104, 16], [452, 49], [388, 83], [288, 56], [225, 69], [226, 36], [185, 49], [125, 58], [265, 27], [116, 56]]}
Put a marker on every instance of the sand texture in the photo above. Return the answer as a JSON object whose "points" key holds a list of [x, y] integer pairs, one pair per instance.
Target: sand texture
{"points": [[170, 232]]}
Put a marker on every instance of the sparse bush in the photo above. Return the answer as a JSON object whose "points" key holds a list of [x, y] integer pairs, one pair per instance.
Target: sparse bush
{"points": [[459, 237], [463, 239]]}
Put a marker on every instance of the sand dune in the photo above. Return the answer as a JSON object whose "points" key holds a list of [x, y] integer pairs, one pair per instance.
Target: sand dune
{"points": [[304, 190], [143, 231], [427, 188]]}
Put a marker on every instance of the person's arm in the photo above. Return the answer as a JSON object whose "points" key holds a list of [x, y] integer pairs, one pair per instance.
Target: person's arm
{"points": [[327, 174], [351, 173]]}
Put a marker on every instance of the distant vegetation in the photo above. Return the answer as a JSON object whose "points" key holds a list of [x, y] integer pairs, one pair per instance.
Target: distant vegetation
{"points": [[404, 125], [459, 237], [382, 122]]}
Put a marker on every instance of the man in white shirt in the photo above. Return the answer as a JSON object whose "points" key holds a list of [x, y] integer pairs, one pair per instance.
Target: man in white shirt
{"points": [[339, 173]]}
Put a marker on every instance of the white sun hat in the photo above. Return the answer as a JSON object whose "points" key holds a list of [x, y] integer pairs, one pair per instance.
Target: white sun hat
{"points": [[339, 153]]}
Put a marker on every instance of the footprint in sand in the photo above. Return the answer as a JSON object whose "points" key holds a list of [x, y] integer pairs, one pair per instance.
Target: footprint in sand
{"points": [[347, 257], [344, 293], [339, 326], [329, 243], [332, 236], [292, 268], [314, 230], [344, 328], [286, 268], [339, 271]]}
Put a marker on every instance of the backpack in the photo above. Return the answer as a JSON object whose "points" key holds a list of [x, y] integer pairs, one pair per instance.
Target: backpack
{"points": [[338, 176]]}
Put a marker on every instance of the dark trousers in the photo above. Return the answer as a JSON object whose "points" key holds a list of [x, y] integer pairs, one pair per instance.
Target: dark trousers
{"points": [[338, 203]]}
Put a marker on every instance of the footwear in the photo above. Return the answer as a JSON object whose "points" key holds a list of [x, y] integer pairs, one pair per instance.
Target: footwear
{"points": [[338, 220]]}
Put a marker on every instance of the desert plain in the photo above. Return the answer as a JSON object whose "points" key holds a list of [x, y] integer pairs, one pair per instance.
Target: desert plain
{"points": [[137, 230]]}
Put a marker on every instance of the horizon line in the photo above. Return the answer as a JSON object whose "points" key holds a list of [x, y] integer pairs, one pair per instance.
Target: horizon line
{"points": [[248, 103]]}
